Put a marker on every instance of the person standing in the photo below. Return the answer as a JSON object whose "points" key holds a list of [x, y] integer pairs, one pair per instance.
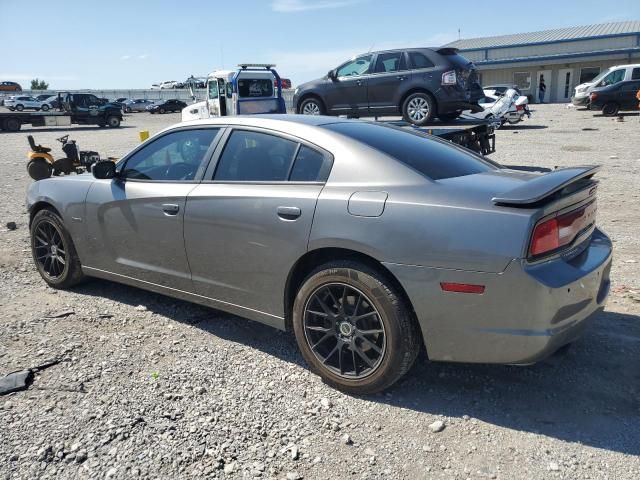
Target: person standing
{"points": [[542, 88]]}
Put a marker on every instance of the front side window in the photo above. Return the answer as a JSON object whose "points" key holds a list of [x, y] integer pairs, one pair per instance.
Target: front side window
{"points": [[176, 156], [419, 60], [354, 68], [390, 62], [613, 77], [213, 89]]}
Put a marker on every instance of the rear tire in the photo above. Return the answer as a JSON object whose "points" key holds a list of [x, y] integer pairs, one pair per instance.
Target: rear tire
{"points": [[610, 109], [12, 125], [162, 110], [53, 251], [370, 329], [418, 109], [39, 169], [45, 108], [19, 107]]}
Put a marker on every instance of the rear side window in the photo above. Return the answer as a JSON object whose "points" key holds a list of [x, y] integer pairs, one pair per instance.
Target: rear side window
{"points": [[390, 62], [455, 58], [434, 159], [418, 60], [635, 74], [255, 157], [308, 166]]}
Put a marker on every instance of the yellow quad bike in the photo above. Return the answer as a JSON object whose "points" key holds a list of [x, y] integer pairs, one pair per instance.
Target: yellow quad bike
{"points": [[42, 165]]}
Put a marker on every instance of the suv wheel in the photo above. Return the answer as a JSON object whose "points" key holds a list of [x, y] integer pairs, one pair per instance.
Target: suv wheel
{"points": [[53, 251], [19, 107], [610, 109], [311, 106], [354, 329], [418, 109], [45, 107]]}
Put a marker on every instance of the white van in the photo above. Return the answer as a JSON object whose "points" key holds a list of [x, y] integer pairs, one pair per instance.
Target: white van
{"points": [[615, 74]]}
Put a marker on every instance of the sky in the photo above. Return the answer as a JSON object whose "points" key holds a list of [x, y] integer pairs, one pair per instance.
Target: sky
{"points": [[113, 44]]}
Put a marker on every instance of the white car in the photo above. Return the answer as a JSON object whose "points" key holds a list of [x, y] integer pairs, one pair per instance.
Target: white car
{"points": [[168, 84], [24, 102]]}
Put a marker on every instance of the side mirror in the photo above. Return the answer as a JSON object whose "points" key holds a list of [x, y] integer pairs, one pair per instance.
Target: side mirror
{"points": [[331, 75], [105, 169]]}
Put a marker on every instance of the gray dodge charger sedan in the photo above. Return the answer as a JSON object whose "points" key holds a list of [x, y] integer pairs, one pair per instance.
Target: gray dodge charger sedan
{"points": [[367, 241]]}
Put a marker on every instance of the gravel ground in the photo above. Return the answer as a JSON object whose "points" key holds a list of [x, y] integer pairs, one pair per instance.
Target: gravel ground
{"points": [[152, 387]]}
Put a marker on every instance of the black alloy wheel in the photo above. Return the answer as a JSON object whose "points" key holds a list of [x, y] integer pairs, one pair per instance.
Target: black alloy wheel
{"points": [[344, 330]]}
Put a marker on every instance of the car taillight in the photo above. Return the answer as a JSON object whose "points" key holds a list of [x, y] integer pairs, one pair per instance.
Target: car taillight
{"points": [[593, 96], [449, 78], [519, 107], [560, 231]]}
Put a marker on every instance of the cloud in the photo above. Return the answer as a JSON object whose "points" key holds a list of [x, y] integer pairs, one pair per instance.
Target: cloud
{"points": [[143, 56], [293, 6], [125, 57]]}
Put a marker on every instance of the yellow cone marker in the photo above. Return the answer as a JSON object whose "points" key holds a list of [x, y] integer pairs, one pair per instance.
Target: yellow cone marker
{"points": [[144, 134]]}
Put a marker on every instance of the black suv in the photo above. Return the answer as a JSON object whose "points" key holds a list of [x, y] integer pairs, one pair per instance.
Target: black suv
{"points": [[420, 83]]}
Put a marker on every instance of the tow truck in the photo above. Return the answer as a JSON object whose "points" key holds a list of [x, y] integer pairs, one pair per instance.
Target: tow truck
{"points": [[252, 88], [75, 108]]}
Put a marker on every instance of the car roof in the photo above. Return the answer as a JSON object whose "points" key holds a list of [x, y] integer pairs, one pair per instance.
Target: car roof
{"points": [[276, 120]]}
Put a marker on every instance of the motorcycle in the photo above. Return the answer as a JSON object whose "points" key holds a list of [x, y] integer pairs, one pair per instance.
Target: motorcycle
{"points": [[42, 165]]}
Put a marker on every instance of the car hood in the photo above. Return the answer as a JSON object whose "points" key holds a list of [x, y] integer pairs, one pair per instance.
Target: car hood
{"points": [[313, 84]]}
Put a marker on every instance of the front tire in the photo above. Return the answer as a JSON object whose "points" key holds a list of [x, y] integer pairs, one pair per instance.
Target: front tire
{"points": [[418, 109], [354, 329], [45, 108], [312, 106], [53, 251], [113, 121], [610, 109], [162, 110], [19, 108]]}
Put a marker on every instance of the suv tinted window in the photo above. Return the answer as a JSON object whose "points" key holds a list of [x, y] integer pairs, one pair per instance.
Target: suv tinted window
{"points": [[433, 158], [390, 62], [252, 156], [613, 77], [359, 66], [418, 60], [635, 74], [175, 156]]}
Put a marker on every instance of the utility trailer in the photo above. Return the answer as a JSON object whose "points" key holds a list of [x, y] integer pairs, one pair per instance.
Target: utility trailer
{"points": [[75, 108], [476, 135]]}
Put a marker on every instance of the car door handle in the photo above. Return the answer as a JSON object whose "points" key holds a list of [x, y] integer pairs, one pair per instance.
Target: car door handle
{"points": [[401, 77], [289, 213], [359, 82], [170, 209]]}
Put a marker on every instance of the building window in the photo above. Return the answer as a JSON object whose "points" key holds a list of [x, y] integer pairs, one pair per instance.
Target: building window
{"points": [[588, 73], [522, 80]]}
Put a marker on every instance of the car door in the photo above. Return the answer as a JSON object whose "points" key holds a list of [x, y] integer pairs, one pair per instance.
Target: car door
{"points": [[135, 221], [385, 82], [249, 221], [627, 95], [347, 92]]}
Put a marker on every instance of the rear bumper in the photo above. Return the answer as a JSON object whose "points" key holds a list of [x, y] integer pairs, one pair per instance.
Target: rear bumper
{"points": [[525, 314]]}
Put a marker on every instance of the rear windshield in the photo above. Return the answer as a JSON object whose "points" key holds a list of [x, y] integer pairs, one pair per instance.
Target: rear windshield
{"points": [[455, 58], [255, 87], [433, 158]]}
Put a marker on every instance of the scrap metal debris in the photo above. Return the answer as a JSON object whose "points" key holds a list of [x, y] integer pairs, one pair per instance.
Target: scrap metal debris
{"points": [[20, 380], [61, 314]]}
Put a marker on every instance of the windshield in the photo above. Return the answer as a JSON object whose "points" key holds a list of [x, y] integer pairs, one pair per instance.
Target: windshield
{"points": [[433, 158], [599, 77]]}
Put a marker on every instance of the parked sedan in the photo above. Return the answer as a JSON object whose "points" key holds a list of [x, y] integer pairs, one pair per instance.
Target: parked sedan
{"points": [[613, 98], [173, 105], [368, 241], [137, 105], [21, 103]]}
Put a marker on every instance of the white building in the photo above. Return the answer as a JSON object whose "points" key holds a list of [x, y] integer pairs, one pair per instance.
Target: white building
{"points": [[565, 57]]}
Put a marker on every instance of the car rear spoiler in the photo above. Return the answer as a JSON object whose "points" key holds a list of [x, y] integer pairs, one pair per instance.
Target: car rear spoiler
{"points": [[541, 188], [447, 51]]}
